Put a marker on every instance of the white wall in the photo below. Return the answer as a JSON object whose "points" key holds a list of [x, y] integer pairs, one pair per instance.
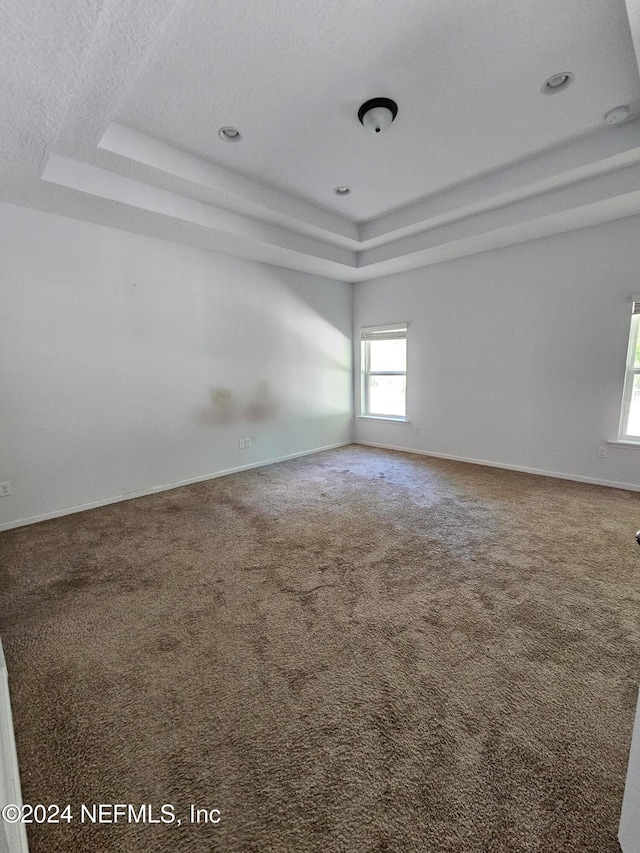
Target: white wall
{"points": [[128, 362], [516, 356]]}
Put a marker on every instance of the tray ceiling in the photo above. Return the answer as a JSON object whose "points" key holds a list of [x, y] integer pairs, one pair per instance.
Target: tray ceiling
{"points": [[466, 77], [110, 112]]}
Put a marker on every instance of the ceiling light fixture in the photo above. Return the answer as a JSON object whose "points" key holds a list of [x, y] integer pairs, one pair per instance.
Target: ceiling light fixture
{"points": [[377, 114], [616, 115], [342, 190], [229, 134], [557, 83]]}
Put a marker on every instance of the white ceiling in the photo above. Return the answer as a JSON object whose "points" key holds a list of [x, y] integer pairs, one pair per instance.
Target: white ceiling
{"points": [[466, 76], [109, 112]]}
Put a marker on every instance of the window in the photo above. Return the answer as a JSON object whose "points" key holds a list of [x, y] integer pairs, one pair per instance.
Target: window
{"points": [[383, 364], [630, 418]]}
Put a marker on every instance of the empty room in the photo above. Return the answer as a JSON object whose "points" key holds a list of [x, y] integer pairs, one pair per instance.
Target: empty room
{"points": [[319, 426]]}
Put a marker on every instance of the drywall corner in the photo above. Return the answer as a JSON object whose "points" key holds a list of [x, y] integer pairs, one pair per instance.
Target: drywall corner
{"points": [[629, 834], [13, 836]]}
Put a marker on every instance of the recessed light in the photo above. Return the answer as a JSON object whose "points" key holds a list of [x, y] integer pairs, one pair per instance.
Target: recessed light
{"points": [[342, 190], [616, 115], [229, 134], [557, 83]]}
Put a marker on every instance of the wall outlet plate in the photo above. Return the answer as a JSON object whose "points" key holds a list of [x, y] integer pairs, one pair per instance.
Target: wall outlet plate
{"points": [[247, 442], [5, 490], [241, 444], [602, 452]]}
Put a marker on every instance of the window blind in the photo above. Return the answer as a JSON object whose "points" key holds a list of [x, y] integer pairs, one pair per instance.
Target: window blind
{"points": [[397, 331]]}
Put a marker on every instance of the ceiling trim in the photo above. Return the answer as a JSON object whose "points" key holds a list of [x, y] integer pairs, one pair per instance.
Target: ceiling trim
{"points": [[533, 229], [575, 196], [230, 189], [590, 169], [597, 154], [98, 182], [241, 236], [571, 201]]}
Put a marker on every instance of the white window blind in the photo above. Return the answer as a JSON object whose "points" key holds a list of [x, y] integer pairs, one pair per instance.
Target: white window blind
{"points": [[384, 370]]}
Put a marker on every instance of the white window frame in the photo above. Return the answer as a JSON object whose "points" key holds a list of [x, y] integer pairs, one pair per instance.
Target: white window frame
{"points": [[394, 331], [630, 373]]}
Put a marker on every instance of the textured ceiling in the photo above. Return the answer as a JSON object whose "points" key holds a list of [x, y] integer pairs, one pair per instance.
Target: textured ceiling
{"points": [[109, 112]]}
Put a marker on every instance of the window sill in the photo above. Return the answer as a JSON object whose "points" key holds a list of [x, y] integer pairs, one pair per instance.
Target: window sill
{"points": [[624, 442], [383, 418]]}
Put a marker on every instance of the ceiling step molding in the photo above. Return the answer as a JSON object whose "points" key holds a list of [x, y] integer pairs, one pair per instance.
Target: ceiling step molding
{"points": [[228, 189], [591, 192]]}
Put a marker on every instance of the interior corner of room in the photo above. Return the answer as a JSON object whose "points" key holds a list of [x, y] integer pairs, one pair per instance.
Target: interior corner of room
{"points": [[336, 324], [132, 364]]}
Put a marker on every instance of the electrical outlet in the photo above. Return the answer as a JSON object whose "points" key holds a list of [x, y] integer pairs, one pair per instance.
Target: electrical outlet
{"points": [[241, 444], [416, 430], [602, 452], [247, 442], [5, 490]]}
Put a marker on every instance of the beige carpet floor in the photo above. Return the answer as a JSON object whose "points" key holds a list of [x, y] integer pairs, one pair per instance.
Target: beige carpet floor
{"points": [[357, 651]]}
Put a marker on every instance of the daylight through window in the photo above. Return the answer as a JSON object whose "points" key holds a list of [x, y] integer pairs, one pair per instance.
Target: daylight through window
{"points": [[384, 371], [630, 418]]}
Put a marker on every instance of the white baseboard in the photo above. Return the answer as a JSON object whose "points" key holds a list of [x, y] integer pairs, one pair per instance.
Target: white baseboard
{"points": [[522, 468], [21, 522], [128, 496], [15, 835]]}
